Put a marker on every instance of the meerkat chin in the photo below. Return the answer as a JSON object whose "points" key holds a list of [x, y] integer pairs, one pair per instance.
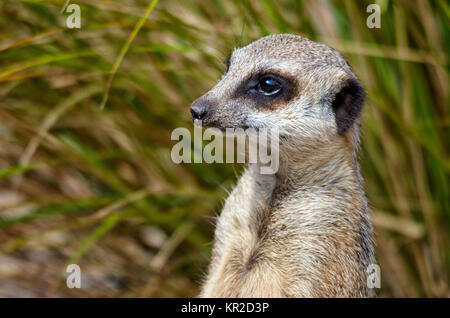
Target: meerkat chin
{"points": [[303, 231]]}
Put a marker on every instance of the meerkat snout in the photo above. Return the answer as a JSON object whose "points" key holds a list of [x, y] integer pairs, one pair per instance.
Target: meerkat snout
{"points": [[199, 110], [303, 88]]}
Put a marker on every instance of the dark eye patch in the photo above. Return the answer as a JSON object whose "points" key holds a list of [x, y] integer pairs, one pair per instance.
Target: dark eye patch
{"points": [[267, 89]]}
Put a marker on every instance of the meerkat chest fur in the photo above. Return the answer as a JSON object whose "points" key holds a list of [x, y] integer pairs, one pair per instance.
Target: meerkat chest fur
{"points": [[280, 238]]}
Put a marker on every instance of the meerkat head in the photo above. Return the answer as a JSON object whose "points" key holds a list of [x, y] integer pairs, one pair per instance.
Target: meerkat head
{"points": [[304, 89]]}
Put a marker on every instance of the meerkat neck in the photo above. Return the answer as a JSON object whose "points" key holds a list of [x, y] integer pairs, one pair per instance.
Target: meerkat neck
{"points": [[327, 165], [314, 207]]}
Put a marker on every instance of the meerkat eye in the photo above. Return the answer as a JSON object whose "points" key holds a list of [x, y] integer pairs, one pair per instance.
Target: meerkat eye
{"points": [[268, 85]]}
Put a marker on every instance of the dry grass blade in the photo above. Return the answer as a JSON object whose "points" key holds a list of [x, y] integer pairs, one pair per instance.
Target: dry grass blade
{"points": [[159, 260], [48, 122], [124, 50]]}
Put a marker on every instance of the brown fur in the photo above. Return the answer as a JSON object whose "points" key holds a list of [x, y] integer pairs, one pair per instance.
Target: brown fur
{"points": [[304, 231]]}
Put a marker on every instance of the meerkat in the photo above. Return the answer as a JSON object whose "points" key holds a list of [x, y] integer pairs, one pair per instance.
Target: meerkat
{"points": [[305, 230]]}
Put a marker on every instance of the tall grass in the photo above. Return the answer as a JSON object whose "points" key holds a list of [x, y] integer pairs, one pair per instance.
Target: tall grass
{"points": [[93, 185]]}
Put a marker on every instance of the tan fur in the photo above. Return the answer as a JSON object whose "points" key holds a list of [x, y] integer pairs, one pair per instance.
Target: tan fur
{"points": [[304, 231]]}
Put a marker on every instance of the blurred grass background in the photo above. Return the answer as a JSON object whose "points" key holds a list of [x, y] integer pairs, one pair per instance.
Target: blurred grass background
{"points": [[92, 186]]}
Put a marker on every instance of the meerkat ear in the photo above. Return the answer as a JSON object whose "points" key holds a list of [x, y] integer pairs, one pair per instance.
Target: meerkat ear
{"points": [[347, 104]]}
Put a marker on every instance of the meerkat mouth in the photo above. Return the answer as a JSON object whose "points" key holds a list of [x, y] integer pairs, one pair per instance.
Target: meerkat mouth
{"points": [[216, 125]]}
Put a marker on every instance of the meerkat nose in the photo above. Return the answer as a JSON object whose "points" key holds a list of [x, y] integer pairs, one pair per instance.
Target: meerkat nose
{"points": [[199, 109]]}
